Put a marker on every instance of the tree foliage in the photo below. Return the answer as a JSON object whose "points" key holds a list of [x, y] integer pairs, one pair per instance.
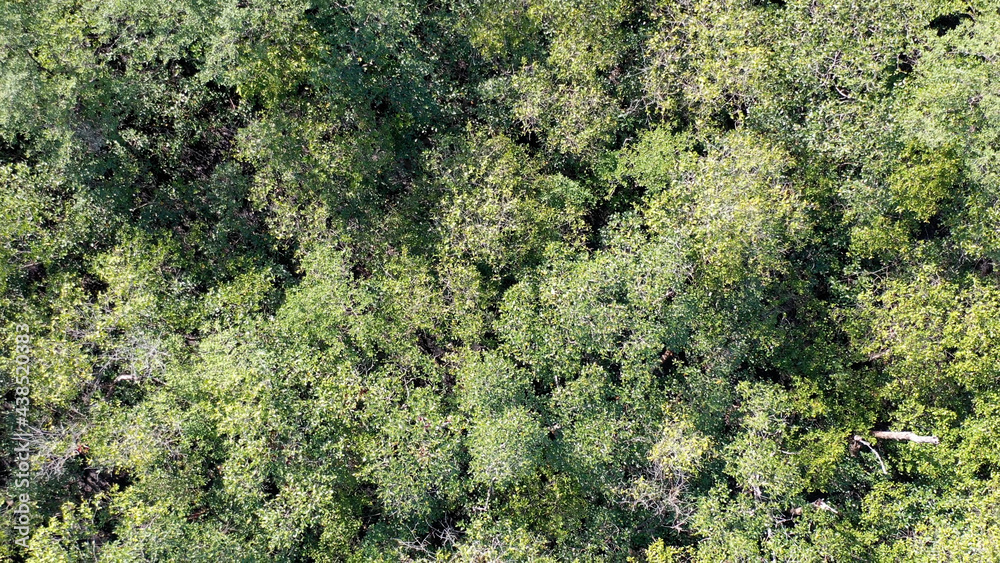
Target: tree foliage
{"points": [[540, 280]]}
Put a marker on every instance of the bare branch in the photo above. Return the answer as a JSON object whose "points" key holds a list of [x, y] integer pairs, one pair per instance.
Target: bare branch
{"points": [[906, 436], [822, 505], [863, 442]]}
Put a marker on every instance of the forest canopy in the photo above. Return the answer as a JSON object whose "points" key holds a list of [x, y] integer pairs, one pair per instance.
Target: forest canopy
{"points": [[645, 281]]}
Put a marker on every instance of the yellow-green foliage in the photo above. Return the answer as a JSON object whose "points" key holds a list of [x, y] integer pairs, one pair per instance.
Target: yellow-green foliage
{"points": [[482, 280]]}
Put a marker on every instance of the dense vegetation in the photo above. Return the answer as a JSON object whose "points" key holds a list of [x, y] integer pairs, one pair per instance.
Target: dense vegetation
{"points": [[502, 280]]}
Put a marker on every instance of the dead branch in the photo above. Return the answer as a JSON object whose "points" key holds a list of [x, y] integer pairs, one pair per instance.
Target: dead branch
{"points": [[822, 505], [819, 504], [906, 436], [863, 442]]}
